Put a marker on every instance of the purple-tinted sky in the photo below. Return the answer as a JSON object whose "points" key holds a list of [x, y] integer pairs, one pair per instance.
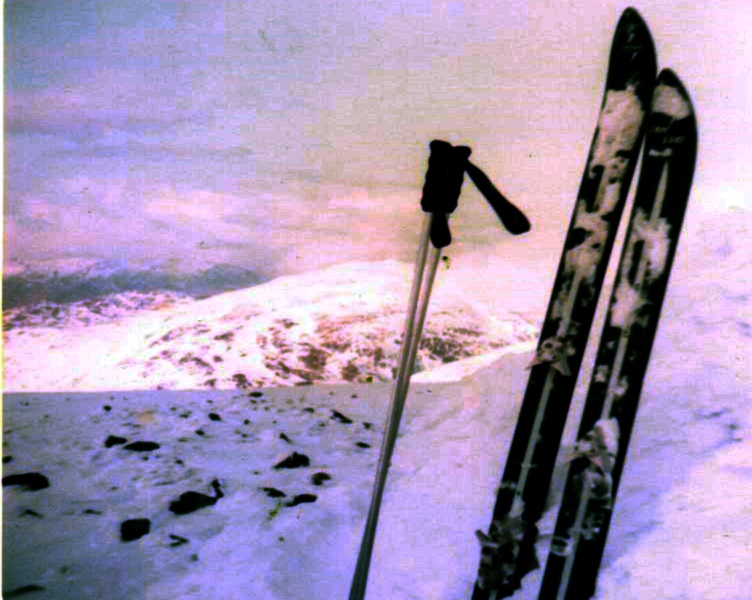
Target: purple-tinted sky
{"points": [[280, 135]]}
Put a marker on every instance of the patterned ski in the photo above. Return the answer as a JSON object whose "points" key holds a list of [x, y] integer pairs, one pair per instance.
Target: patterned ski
{"points": [[624, 351], [508, 551]]}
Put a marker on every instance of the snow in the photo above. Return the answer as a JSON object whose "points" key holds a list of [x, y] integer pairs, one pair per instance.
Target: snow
{"points": [[655, 233], [682, 517], [621, 106], [702, 538], [108, 309], [627, 305], [584, 257], [668, 100], [618, 128], [341, 323]]}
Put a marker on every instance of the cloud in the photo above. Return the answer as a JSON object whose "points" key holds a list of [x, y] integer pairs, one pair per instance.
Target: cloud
{"points": [[292, 132]]}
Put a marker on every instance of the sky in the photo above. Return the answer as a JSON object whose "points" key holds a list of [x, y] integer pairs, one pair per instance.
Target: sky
{"points": [[284, 136]]}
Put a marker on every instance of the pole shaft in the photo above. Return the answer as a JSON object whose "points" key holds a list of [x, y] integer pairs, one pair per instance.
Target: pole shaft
{"points": [[418, 305]]}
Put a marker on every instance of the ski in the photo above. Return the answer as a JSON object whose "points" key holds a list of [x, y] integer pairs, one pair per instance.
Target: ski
{"points": [[624, 351], [508, 551]]}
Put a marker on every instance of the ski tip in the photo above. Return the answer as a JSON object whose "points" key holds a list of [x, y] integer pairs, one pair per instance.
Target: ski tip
{"points": [[671, 96], [632, 59], [632, 20], [630, 14], [668, 77]]}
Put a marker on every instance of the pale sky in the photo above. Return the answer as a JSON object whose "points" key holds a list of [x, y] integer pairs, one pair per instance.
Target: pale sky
{"points": [[281, 135]]}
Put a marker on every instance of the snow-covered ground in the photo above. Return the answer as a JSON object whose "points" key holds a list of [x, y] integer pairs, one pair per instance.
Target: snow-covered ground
{"points": [[683, 515]]}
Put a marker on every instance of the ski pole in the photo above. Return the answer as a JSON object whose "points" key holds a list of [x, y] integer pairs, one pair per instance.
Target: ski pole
{"points": [[447, 165], [411, 339]]}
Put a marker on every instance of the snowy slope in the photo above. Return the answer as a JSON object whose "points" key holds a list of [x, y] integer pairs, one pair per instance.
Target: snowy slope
{"points": [[343, 323], [682, 518], [683, 496]]}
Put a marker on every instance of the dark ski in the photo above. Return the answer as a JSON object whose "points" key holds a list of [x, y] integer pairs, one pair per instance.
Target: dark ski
{"points": [[624, 351], [508, 551]]}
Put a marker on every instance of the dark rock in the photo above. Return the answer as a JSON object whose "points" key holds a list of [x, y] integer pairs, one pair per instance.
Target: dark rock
{"points": [[302, 499], [362, 445], [22, 591], [91, 511], [367, 425], [177, 541], [215, 417], [309, 409], [293, 461], [274, 492], [241, 381], [200, 432], [189, 502], [134, 529], [282, 436], [256, 394], [338, 416], [32, 513], [114, 440], [320, 478], [7, 459], [31, 482], [107, 408], [142, 446]]}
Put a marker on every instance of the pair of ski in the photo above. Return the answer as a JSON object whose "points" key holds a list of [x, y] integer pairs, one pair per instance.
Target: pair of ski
{"points": [[635, 105]]}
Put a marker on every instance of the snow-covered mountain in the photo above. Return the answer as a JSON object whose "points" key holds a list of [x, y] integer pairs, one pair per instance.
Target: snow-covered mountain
{"points": [[340, 324], [61, 282], [91, 311]]}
